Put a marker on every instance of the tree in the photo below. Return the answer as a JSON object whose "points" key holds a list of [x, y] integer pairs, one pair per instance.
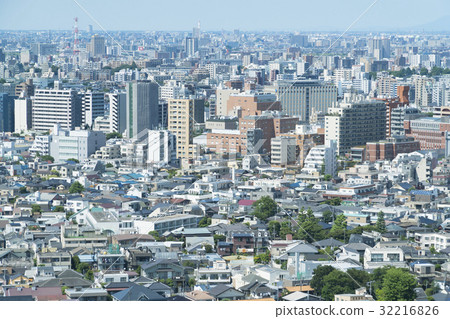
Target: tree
{"points": [[82, 268], [75, 262], [155, 235], [204, 222], [339, 227], [23, 190], [76, 187], [333, 202], [337, 282], [317, 281], [35, 208], [172, 173], [263, 258], [113, 135], [327, 216], [73, 160], [109, 165], [59, 209], [208, 249], [309, 228], [327, 177], [218, 238], [139, 270], [285, 229], [380, 226], [47, 158], [89, 275], [423, 71], [264, 208], [398, 285], [191, 282], [274, 228]]}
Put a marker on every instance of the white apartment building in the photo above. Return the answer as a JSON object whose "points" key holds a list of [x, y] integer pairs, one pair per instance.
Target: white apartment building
{"points": [[117, 112], [52, 107], [380, 257], [283, 150], [92, 106], [78, 144], [171, 90], [41, 145], [321, 159], [23, 116], [437, 240], [161, 147]]}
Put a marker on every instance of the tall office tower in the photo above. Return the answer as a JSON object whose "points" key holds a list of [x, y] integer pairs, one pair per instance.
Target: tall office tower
{"points": [[191, 46], [97, 45], [424, 90], [300, 40], [25, 89], [2, 55], [161, 147], [162, 114], [117, 112], [43, 49], [302, 98], [142, 107], [181, 124], [380, 48], [55, 106], [92, 106], [403, 93], [355, 122], [196, 31], [6, 113], [23, 120]]}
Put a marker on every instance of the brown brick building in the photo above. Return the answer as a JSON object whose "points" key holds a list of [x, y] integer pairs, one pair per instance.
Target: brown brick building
{"points": [[390, 148]]}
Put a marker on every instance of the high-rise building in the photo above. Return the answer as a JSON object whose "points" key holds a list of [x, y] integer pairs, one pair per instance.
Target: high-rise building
{"points": [[6, 113], [97, 45], [222, 100], [92, 106], [181, 124], [118, 112], [25, 89], [191, 46], [301, 98], [23, 120], [161, 147], [55, 106], [283, 151], [142, 107], [355, 122], [380, 48], [321, 160]]}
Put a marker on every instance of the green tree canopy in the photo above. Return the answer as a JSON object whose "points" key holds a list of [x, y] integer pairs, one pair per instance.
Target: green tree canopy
{"points": [[204, 222], [317, 281], [398, 285], [76, 187], [264, 208], [274, 228], [263, 258], [73, 160], [113, 135], [327, 216], [59, 209], [309, 228], [47, 158], [35, 208], [381, 224], [285, 229]]}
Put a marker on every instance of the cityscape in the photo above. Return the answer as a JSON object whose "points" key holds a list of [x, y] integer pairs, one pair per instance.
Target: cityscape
{"points": [[224, 165]]}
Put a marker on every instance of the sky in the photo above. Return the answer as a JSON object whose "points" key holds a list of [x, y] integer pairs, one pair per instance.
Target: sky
{"points": [[245, 15]]}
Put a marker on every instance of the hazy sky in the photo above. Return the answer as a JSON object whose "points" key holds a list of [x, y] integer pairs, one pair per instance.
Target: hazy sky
{"points": [[289, 15]]}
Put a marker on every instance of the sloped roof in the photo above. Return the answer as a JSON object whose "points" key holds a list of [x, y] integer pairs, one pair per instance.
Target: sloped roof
{"points": [[138, 293]]}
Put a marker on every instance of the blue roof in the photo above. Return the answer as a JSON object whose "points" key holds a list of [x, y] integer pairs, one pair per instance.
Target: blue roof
{"points": [[421, 192]]}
